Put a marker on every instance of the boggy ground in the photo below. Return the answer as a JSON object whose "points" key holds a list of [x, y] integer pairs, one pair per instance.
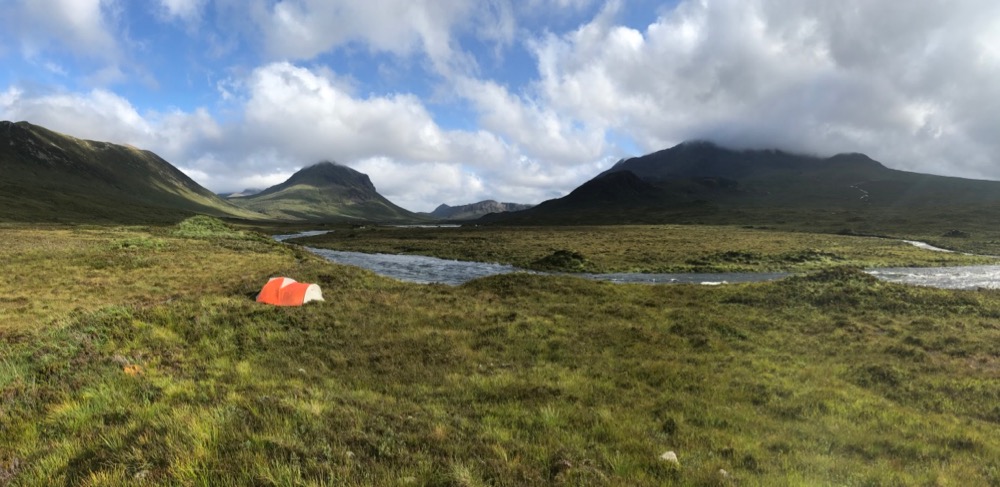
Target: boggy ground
{"points": [[640, 248], [149, 363]]}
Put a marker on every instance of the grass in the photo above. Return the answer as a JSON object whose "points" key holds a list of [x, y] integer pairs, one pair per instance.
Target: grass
{"points": [[640, 248], [55, 270], [935, 224], [178, 377]]}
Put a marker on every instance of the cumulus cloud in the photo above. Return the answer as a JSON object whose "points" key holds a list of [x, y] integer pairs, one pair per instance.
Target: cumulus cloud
{"points": [[302, 108], [904, 82], [416, 185], [539, 131], [79, 26], [302, 29], [98, 115], [306, 116], [291, 116]]}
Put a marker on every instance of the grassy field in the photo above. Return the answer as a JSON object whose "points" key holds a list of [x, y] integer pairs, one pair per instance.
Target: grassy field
{"points": [[640, 248], [136, 356]]}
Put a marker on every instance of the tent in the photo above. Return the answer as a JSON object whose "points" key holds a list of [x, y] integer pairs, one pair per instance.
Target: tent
{"points": [[282, 291]]}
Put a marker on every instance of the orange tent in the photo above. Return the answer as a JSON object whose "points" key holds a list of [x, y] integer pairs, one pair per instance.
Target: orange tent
{"points": [[282, 291]]}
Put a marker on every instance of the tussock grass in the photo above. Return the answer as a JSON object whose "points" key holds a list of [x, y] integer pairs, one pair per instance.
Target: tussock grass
{"points": [[828, 379]]}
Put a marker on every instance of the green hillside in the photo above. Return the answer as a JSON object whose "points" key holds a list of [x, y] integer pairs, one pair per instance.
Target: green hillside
{"points": [[325, 192], [50, 177]]}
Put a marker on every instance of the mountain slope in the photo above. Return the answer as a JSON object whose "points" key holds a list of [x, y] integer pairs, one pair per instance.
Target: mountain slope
{"points": [[474, 210], [327, 192], [48, 176], [700, 182], [245, 192]]}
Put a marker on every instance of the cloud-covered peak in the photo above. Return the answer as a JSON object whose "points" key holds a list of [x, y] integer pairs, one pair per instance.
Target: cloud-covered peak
{"points": [[454, 101]]}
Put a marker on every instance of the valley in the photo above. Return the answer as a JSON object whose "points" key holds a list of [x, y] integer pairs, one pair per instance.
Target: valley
{"points": [[132, 350], [595, 243]]}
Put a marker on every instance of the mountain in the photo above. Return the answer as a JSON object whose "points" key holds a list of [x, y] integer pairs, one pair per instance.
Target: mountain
{"points": [[327, 192], [474, 210], [48, 176], [700, 182], [700, 159]]}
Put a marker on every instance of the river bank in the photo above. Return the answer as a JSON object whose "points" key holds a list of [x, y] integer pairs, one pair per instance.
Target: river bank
{"points": [[425, 269]]}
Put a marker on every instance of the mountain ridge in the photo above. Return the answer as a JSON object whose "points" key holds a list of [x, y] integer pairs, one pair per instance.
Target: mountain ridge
{"points": [[472, 211], [49, 176], [702, 182]]}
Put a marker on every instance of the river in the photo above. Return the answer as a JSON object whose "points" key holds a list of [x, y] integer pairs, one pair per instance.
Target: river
{"points": [[424, 270]]}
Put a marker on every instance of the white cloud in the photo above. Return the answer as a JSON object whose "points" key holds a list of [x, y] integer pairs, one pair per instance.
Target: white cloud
{"points": [[105, 116], [304, 115], [292, 116], [98, 115], [422, 186], [539, 131], [904, 82], [298, 106], [182, 9], [302, 29], [79, 26], [912, 84]]}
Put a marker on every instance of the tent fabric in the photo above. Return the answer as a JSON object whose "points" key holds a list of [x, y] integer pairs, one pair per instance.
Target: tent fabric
{"points": [[283, 291]]}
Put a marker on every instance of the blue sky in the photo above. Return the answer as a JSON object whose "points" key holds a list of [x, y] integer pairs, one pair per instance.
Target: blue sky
{"points": [[455, 101]]}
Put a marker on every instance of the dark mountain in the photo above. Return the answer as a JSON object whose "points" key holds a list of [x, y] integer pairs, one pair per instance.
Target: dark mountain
{"points": [[48, 176], [700, 182], [700, 159], [474, 210], [327, 192]]}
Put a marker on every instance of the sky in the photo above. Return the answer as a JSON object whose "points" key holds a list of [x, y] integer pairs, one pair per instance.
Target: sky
{"points": [[457, 101]]}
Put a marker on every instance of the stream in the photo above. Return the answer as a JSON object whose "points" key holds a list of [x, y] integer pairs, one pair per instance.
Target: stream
{"points": [[425, 270]]}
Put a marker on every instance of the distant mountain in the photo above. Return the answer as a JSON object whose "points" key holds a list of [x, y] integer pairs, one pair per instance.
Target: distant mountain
{"points": [[700, 182], [701, 160], [474, 210], [325, 192], [48, 176], [238, 194]]}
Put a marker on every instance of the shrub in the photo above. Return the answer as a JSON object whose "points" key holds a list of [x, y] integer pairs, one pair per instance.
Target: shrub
{"points": [[208, 227]]}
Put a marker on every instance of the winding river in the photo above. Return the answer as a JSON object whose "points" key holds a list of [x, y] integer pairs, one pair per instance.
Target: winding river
{"points": [[425, 270]]}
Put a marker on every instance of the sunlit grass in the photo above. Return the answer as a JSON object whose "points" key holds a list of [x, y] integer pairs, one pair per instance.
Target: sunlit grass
{"points": [[829, 379]]}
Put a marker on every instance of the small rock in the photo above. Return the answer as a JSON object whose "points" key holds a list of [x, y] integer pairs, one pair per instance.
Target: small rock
{"points": [[723, 473], [670, 456], [302, 371]]}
